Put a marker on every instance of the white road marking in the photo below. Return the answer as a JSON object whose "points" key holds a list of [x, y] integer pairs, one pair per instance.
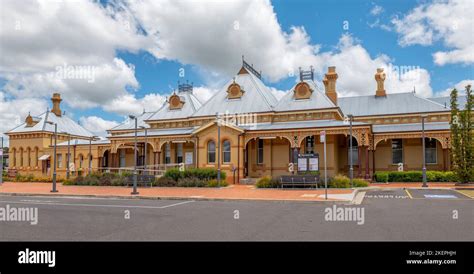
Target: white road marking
{"points": [[96, 205], [309, 195]]}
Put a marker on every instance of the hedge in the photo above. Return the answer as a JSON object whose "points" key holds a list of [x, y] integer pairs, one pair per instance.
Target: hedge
{"points": [[205, 174], [414, 176]]}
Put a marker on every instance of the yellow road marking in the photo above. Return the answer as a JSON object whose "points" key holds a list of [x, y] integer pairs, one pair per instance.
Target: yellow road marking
{"points": [[409, 195], [467, 193]]}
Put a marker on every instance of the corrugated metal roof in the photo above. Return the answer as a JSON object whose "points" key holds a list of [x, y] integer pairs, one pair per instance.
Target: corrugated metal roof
{"points": [[78, 142], [318, 100], [129, 124], [191, 104], [300, 124], [395, 103], [65, 124], [446, 101], [410, 127], [256, 98], [159, 132]]}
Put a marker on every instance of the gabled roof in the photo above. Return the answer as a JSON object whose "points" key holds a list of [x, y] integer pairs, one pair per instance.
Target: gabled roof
{"points": [[256, 98], [129, 124], [446, 101], [318, 100], [65, 124], [395, 103], [191, 104]]}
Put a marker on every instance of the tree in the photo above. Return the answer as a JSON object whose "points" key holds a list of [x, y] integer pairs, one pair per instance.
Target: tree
{"points": [[462, 137]]}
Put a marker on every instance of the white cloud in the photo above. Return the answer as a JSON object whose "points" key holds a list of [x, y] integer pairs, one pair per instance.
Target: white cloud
{"points": [[376, 10], [460, 86], [449, 21], [204, 93], [40, 37], [214, 35], [97, 125], [356, 69], [14, 111], [129, 104]]}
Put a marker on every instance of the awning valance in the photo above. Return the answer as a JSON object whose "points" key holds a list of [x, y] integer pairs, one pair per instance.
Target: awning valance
{"points": [[44, 157]]}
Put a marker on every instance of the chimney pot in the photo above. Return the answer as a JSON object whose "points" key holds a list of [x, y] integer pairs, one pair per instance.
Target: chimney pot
{"points": [[56, 99], [330, 84], [380, 78]]}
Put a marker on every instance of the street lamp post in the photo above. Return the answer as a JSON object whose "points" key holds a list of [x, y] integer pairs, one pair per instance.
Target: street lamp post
{"points": [[218, 150], [146, 147], [351, 166], [1, 162], [68, 156], [54, 156], [423, 117], [135, 192]]}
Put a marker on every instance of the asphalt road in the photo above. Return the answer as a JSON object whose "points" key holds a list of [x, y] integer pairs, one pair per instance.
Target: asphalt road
{"points": [[392, 215]]}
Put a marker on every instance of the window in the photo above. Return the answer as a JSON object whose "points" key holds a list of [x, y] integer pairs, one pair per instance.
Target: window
{"points": [[179, 153], [211, 152], [59, 160], [122, 158], [226, 151], [36, 156], [430, 151], [397, 151], [260, 151], [167, 153], [21, 156], [310, 144], [28, 153], [81, 160], [354, 152]]}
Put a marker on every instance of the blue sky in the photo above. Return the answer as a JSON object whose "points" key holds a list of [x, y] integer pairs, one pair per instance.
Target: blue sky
{"points": [[201, 38]]}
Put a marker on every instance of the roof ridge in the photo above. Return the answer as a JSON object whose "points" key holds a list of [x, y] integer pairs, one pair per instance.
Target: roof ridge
{"points": [[45, 119], [261, 92], [428, 100]]}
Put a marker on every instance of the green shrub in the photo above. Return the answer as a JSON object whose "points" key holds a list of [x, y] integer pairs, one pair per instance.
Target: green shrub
{"points": [[191, 182], [213, 183], [166, 182], [268, 182], [118, 181], [381, 177], [405, 176], [360, 183], [340, 181], [204, 174], [174, 174]]}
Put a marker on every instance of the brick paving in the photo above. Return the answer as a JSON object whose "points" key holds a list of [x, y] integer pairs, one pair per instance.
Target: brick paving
{"points": [[232, 192]]}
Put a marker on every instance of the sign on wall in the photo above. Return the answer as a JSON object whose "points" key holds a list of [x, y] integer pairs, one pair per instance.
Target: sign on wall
{"points": [[308, 162], [189, 158]]}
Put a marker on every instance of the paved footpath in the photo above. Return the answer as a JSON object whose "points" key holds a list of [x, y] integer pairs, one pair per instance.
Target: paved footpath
{"points": [[232, 192]]}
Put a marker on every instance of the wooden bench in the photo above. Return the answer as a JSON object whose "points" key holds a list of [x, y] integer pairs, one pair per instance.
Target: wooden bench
{"points": [[299, 180]]}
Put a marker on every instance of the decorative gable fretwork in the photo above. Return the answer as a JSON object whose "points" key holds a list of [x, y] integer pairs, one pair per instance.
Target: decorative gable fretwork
{"points": [[302, 91], [234, 91]]}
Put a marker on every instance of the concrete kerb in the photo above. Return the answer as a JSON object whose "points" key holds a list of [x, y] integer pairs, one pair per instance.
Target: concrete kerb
{"points": [[186, 198]]}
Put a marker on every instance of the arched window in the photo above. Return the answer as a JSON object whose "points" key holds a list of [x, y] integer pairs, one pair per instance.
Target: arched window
{"points": [[28, 156], [13, 157], [226, 151], [21, 156], [354, 151], [167, 153], [36, 156], [81, 160], [211, 152]]}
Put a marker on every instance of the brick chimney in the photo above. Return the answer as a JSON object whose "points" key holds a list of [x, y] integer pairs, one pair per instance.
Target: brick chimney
{"points": [[330, 84], [56, 104], [380, 78]]}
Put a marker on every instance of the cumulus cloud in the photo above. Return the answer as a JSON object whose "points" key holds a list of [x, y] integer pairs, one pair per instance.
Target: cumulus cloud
{"points": [[214, 35], [448, 21], [460, 86], [67, 46], [129, 104], [356, 69], [97, 125], [13, 111]]}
